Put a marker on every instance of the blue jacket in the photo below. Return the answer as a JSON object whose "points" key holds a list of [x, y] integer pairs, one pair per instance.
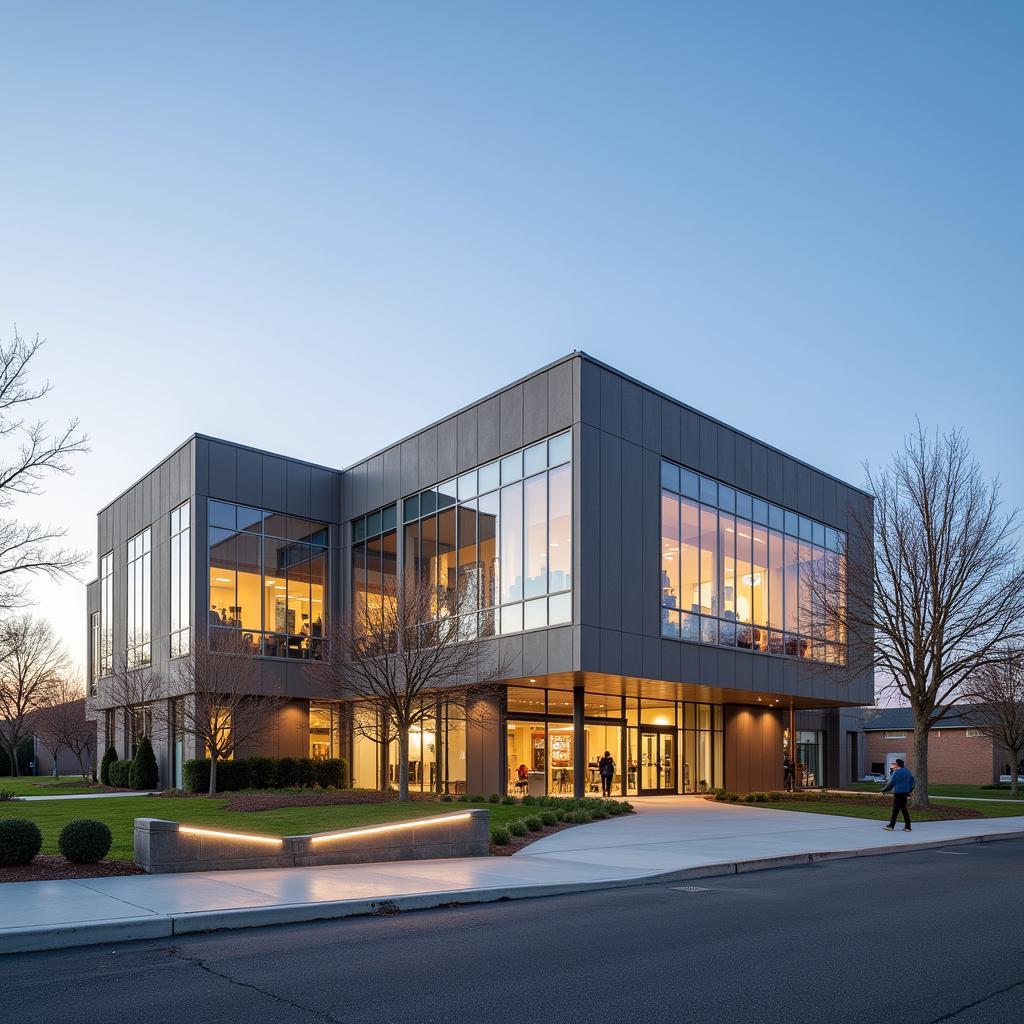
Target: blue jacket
{"points": [[901, 781]]}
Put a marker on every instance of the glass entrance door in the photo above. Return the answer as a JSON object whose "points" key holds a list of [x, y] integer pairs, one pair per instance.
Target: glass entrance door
{"points": [[657, 761]]}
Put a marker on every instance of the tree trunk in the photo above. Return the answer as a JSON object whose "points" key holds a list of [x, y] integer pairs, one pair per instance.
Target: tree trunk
{"points": [[385, 764], [919, 798], [403, 763], [1014, 762], [213, 776]]}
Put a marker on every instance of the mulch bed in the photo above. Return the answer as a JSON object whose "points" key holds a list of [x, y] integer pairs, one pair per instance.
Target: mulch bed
{"points": [[48, 867], [520, 842], [313, 798]]}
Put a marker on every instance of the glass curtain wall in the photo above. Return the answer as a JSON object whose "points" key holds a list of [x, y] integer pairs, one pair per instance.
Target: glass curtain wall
{"points": [[496, 543], [268, 580], [106, 665], [739, 572], [324, 730], [375, 566], [181, 580], [138, 600]]}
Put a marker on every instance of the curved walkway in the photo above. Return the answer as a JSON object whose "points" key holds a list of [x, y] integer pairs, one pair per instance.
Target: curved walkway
{"points": [[668, 839]]}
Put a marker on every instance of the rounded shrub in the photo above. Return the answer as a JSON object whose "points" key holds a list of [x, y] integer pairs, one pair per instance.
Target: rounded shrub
{"points": [[20, 841], [478, 798], [119, 774], [446, 798], [518, 827], [501, 836], [85, 841], [508, 801], [548, 818], [529, 801], [462, 798], [598, 814], [493, 798], [287, 772], [533, 823], [750, 798]]}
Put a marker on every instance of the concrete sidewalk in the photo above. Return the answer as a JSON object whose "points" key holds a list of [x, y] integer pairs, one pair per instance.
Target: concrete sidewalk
{"points": [[668, 839], [90, 796]]}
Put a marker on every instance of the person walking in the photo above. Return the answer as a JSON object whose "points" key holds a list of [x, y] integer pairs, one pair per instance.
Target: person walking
{"points": [[901, 785], [606, 767]]}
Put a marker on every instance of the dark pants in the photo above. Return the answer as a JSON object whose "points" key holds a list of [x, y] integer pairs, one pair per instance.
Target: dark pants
{"points": [[899, 806], [606, 785]]}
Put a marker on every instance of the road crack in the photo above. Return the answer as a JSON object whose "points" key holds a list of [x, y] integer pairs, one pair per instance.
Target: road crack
{"points": [[977, 1002], [202, 965]]}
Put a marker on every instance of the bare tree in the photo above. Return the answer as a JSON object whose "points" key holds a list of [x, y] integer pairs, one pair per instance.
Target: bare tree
{"points": [[61, 723], [402, 653], [998, 690], [33, 660], [932, 592], [222, 706], [30, 548]]}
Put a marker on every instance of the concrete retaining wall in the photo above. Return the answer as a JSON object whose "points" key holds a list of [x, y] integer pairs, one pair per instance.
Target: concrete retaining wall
{"points": [[169, 846]]}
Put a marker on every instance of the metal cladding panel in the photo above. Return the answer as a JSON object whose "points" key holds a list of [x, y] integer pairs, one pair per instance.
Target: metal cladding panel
{"points": [[631, 503], [560, 396], [275, 483], [374, 482], [535, 653], [632, 412], [671, 430], [298, 482], [726, 454], [428, 458], [447, 449], [653, 406], [511, 424], [587, 526], [535, 408], [488, 425], [559, 641], [250, 477], [392, 480], [650, 549], [466, 430], [742, 470], [223, 471], [759, 469], [611, 403], [322, 495], [590, 393], [708, 462], [410, 465], [610, 553]]}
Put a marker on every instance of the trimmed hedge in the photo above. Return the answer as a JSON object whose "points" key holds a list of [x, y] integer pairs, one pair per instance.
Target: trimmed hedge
{"points": [[20, 841], [266, 773], [85, 841]]}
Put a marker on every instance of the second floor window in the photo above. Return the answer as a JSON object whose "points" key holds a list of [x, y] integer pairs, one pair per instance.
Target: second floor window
{"points": [[181, 580], [106, 640], [138, 600]]}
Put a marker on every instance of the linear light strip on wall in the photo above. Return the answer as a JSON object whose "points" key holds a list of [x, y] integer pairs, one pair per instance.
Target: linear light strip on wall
{"points": [[229, 835], [351, 834]]}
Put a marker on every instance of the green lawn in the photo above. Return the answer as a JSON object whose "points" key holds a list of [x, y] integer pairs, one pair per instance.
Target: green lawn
{"points": [[46, 785], [944, 789], [879, 810], [120, 813]]}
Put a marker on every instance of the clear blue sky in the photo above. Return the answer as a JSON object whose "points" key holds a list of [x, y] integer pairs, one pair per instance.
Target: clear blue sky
{"points": [[315, 227]]}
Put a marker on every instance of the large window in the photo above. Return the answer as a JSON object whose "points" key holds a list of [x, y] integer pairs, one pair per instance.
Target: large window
{"points": [[737, 571], [497, 542], [181, 581], [375, 565], [94, 650], [139, 600], [268, 579], [106, 648]]}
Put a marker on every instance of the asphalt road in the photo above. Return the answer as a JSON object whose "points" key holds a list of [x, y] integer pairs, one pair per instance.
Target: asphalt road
{"points": [[920, 937]]}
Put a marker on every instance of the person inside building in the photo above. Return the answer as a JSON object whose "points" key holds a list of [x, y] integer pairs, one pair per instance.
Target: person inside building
{"points": [[606, 766]]}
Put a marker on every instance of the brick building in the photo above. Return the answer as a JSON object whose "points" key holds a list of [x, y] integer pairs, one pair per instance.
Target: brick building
{"points": [[957, 752]]}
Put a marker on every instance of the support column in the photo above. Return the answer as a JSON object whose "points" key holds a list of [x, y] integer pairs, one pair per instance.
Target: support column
{"points": [[579, 753], [797, 779]]}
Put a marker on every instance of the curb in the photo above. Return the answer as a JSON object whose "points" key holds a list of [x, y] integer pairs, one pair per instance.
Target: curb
{"points": [[159, 926]]}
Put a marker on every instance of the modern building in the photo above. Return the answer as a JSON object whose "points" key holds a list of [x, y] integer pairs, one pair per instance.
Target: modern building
{"points": [[958, 751], [641, 566]]}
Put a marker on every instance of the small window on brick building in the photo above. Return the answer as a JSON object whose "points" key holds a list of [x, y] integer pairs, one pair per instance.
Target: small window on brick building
{"points": [[895, 735], [974, 733]]}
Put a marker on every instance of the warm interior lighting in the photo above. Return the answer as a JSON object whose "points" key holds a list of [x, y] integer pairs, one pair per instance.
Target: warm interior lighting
{"points": [[190, 830], [662, 720], [352, 833]]}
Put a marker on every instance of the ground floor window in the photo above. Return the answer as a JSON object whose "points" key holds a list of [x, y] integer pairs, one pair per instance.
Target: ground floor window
{"points": [[437, 749], [324, 730], [810, 757]]}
